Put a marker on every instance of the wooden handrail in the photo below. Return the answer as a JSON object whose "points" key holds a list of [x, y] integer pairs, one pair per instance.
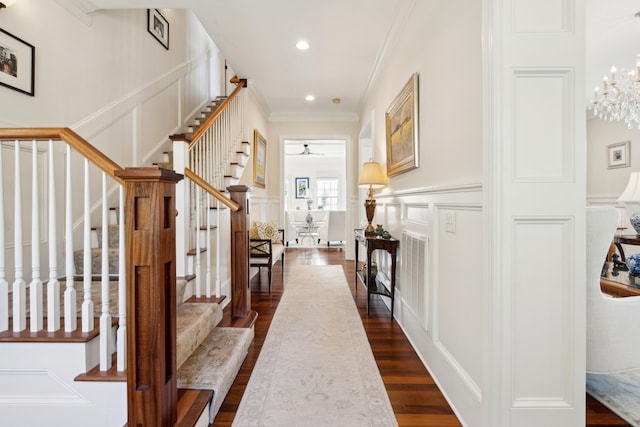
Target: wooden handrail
{"points": [[215, 193], [69, 137], [196, 136]]}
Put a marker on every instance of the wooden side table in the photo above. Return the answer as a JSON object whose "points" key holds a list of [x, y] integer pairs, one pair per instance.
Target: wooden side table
{"points": [[626, 239], [371, 244]]}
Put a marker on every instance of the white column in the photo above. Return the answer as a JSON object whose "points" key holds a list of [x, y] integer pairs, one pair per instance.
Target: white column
{"points": [[70, 303], [535, 181], [180, 162], [87, 302], [106, 339]]}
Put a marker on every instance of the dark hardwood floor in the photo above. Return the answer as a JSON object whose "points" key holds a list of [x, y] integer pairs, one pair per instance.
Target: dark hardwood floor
{"points": [[415, 398]]}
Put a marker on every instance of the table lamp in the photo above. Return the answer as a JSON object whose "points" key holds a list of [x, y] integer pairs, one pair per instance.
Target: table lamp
{"points": [[371, 176], [631, 194]]}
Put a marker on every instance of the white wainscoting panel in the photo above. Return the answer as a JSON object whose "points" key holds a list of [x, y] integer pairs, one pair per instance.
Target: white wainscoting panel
{"points": [[441, 297], [542, 153], [542, 16], [459, 318], [414, 250], [154, 111], [542, 284]]}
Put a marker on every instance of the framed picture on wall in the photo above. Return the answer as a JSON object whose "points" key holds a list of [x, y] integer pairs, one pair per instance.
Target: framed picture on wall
{"points": [[17, 63], [302, 186], [158, 27], [402, 129], [618, 155], [259, 159]]}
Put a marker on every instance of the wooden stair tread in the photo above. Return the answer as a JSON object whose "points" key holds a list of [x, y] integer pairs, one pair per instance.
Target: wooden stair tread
{"points": [[191, 404], [193, 298], [60, 335], [193, 251], [110, 375]]}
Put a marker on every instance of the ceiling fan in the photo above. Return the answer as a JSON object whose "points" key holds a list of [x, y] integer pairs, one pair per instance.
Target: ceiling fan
{"points": [[307, 152]]}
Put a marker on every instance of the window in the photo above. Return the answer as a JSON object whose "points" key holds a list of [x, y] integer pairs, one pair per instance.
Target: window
{"points": [[328, 193]]}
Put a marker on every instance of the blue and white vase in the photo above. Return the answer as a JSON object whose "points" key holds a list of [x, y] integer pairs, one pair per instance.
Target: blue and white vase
{"points": [[633, 263]]}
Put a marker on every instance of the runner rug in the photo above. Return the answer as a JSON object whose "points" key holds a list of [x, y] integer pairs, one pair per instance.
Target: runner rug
{"points": [[316, 367]]}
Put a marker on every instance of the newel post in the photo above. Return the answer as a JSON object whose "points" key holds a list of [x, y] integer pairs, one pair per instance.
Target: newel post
{"points": [[240, 292], [150, 224]]}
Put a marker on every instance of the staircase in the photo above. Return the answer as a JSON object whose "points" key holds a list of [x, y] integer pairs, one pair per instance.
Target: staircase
{"points": [[62, 339]]}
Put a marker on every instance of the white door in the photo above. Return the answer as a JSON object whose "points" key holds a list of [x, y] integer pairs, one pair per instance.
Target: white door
{"points": [[535, 181]]}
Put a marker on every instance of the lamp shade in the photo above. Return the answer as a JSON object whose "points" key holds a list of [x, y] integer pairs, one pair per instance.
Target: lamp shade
{"points": [[371, 175], [632, 192]]}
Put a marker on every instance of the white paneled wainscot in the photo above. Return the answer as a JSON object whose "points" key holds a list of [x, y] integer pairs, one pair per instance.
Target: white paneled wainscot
{"points": [[440, 299]]}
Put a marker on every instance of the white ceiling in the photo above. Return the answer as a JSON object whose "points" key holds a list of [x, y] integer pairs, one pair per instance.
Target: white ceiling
{"points": [[258, 39], [347, 39], [613, 38]]}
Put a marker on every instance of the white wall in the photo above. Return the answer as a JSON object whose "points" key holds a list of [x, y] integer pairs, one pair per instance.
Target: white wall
{"points": [[440, 273], [314, 167], [94, 78], [602, 181], [107, 78]]}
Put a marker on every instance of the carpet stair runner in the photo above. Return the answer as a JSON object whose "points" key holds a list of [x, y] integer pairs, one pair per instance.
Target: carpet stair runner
{"points": [[208, 356]]}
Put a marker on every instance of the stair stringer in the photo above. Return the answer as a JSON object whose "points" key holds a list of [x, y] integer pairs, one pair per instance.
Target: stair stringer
{"points": [[41, 375]]}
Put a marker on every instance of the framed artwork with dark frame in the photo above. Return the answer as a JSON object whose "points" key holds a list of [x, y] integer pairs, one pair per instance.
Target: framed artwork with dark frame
{"points": [[158, 27], [402, 129], [618, 155], [259, 159], [302, 186], [17, 63]]}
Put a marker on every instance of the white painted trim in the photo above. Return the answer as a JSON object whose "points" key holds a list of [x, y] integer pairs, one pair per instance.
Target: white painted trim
{"points": [[439, 189], [313, 117]]}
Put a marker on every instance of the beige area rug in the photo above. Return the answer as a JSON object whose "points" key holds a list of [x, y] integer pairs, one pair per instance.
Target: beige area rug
{"points": [[316, 367]]}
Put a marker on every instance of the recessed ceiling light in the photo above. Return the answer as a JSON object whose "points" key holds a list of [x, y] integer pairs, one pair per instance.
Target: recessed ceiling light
{"points": [[310, 98], [336, 100], [302, 45]]}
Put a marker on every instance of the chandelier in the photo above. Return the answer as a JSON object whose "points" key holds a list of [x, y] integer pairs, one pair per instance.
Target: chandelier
{"points": [[619, 98]]}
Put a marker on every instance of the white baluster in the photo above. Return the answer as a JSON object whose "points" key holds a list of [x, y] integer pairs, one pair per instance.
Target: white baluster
{"points": [[218, 290], [70, 303], [208, 236], [122, 289], [4, 285], [35, 287], [197, 258], [19, 285], [53, 287], [87, 303], [106, 341]]}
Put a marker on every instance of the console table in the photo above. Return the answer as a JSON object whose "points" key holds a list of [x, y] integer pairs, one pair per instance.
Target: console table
{"points": [[371, 244]]}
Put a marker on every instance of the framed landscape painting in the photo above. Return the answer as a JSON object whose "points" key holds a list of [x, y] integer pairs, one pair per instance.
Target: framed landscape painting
{"points": [[259, 159], [402, 129]]}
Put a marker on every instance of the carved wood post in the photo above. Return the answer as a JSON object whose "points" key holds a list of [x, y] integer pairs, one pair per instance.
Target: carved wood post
{"points": [[240, 292], [150, 223]]}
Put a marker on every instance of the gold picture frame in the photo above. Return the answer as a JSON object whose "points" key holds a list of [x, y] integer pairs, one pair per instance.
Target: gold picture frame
{"points": [[402, 129], [259, 159]]}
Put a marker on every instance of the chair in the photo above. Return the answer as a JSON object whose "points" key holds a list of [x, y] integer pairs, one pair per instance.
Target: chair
{"points": [[266, 252], [613, 335], [337, 227]]}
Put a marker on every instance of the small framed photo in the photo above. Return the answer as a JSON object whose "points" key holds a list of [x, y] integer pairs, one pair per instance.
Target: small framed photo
{"points": [[17, 63], [259, 159], [618, 155], [302, 187], [158, 27]]}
